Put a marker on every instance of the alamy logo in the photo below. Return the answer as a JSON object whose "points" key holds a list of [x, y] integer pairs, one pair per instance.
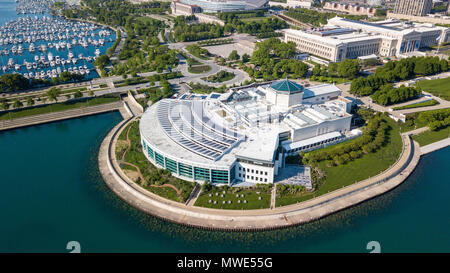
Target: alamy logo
{"points": [[74, 246], [374, 246]]}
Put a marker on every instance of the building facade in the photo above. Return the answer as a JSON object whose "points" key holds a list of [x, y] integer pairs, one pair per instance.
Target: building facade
{"points": [[350, 9], [344, 39], [243, 135], [306, 4], [413, 7], [208, 19], [179, 8]]}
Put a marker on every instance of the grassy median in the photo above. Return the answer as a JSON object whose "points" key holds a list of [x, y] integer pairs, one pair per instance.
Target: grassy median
{"points": [[439, 87], [417, 105]]}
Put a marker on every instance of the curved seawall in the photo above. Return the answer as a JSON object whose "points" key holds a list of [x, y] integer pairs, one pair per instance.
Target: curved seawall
{"points": [[247, 220]]}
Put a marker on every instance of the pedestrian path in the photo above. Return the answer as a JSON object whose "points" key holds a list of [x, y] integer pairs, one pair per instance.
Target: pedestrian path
{"points": [[435, 146], [61, 115]]}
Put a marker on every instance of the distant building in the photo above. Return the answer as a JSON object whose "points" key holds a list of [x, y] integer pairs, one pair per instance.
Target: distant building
{"points": [[430, 18], [344, 39], [350, 9], [179, 8], [374, 2], [225, 5], [306, 4], [413, 7], [208, 19]]}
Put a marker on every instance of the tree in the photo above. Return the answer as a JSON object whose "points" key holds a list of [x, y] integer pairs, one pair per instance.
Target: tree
{"points": [[348, 68], [5, 105], [30, 101], [101, 61], [17, 104], [14, 82], [380, 12], [234, 56], [53, 94], [245, 58], [78, 94], [155, 41]]}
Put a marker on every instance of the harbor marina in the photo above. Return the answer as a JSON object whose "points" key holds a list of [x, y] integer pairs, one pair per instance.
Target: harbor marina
{"points": [[41, 46]]}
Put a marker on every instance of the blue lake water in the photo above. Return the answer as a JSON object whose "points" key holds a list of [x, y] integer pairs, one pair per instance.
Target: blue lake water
{"points": [[7, 9], [52, 193]]}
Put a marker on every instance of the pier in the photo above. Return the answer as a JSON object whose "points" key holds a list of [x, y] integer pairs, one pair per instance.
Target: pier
{"points": [[62, 115]]}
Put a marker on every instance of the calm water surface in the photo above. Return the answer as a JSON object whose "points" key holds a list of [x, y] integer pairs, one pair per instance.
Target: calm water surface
{"points": [[52, 193]]}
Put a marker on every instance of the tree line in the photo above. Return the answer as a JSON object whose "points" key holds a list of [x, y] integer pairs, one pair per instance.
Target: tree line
{"points": [[374, 137], [436, 119], [379, 84], [317, 18], [185, 32], [17, 82], [274, 59]]}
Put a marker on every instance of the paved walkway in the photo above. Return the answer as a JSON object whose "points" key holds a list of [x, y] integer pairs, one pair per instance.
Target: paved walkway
{"points": [[369, 103], [417, 131], [194, 195], [435, 146], [252, 219], [60, 115], [273, 197], [139, 170]]}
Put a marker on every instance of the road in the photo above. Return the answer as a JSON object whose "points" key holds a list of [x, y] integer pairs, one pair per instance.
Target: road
{"points": [[398, 113]]}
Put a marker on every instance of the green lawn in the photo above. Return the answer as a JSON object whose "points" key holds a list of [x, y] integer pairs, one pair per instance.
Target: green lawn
{"points": [[417, 105], [198, 69], [56, 107], [439, 87], [152, 175], [411, 123], [221, 76], [343, 175], [253, 19], [428, 137], [250, 194], [195, 50]]}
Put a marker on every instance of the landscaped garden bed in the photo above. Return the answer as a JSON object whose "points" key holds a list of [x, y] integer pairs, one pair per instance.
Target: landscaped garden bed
{"points": [[225, 197]]}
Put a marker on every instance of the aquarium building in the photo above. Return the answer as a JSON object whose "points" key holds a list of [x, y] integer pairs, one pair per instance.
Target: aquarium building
{"points": [[243, 135]]}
